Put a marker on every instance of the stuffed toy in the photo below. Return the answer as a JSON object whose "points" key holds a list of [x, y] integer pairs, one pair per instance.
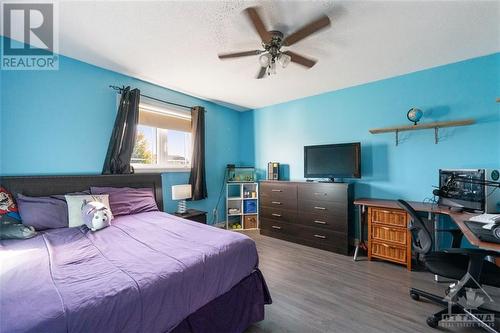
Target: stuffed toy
{"points": [[95, 215], [8, 208]]}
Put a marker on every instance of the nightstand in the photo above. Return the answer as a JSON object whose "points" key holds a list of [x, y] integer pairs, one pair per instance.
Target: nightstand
{"points": [[194, 215]]}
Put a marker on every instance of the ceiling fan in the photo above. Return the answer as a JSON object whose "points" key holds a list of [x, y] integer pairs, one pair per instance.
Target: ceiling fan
{"points": [[273, 41]]}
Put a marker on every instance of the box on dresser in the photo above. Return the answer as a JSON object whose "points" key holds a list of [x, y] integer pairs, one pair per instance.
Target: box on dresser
{"points": [[314, 214]]}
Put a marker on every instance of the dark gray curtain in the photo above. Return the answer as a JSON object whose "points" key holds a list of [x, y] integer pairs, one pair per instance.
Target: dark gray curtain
{"points": [[121, 144], [197, 177]]}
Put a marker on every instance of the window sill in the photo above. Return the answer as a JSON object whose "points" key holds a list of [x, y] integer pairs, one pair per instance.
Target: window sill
{"points": [[159, 169]]}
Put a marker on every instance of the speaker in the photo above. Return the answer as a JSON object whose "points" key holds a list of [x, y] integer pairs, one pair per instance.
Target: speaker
{"points": [[273, 171], [492, 202]]}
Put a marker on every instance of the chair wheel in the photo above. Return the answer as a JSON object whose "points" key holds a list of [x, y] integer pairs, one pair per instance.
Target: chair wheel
{"points": [[415, 296], [433, 322]]}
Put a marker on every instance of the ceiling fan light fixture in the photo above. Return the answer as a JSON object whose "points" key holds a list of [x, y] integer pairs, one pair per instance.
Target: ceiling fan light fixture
{"points": [[272, 68], [265, 59], [284, 59]]}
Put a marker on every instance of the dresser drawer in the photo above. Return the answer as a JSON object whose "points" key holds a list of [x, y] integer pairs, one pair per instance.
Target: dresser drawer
{"points": [[388, 252], [322, 208], [395, 235], [279, 191], [280, 227], [396, 218], [280, 203], [322, 221], [323, 239], [323, 192], [278, 214]]}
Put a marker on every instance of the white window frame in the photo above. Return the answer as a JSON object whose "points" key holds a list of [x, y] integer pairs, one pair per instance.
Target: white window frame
{"points": [[158, 168]]}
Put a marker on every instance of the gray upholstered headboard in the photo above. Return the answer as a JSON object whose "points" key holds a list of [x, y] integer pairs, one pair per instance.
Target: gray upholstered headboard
{"points": [[50, 185]]}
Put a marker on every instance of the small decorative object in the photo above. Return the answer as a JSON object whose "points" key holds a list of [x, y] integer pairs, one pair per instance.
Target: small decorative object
{"points": [[181, 193], [96, 215], [233, 211], [414, 115]]}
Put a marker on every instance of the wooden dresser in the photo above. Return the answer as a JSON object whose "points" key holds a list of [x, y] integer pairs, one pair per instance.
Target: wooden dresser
{"points": [[388, 235], [313, 214]]}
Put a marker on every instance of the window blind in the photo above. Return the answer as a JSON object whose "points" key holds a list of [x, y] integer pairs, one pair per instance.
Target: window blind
{"points": [[161, 117]]}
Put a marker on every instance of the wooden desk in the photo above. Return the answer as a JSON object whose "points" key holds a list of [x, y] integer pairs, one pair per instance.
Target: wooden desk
{"points": [[458, 218]]}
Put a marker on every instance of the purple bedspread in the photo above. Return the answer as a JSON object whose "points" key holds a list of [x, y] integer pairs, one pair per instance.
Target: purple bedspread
{"points": [[145, 273]]}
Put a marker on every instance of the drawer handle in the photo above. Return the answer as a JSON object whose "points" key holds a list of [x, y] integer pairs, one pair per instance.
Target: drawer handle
{"points": [[275, 190], [320, 208], [277, 215], [320, 193], [276, 202], [319, 222], [276, 227], [385, 245], [320, 236], [385, 228]]}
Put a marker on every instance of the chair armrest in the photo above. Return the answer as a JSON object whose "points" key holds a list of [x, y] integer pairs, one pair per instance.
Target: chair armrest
{"points": [[472, 251]]}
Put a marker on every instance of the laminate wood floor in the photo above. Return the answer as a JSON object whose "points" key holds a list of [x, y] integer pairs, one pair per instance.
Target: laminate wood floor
{"points": [[318, 291]]}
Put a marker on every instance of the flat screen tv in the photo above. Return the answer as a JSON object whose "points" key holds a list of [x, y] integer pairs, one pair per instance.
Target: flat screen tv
{"points": [[333, 161]]}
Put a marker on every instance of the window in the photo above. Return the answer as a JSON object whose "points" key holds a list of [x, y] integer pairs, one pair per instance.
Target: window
{"points": [[163, 139]]}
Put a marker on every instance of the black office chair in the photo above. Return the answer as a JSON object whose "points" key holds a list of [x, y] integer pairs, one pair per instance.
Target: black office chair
{"points": [[452, 263]]}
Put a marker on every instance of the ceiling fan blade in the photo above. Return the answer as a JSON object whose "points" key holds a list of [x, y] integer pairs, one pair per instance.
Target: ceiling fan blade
{"points": [[307, 30], [262, 73], [239, 54], [297, 58], [258, 24]]}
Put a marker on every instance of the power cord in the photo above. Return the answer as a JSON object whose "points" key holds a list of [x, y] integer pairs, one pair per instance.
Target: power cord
{"points": [[216, 209]]}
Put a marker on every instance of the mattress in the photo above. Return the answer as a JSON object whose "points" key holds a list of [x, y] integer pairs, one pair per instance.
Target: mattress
{"points": [[144, 273]]}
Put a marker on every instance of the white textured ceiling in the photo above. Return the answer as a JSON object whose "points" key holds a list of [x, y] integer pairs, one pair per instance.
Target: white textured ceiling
{"points": [[175, 43]]}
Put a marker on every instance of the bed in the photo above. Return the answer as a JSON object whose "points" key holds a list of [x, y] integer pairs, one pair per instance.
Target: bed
{"points": [[147, 272]]}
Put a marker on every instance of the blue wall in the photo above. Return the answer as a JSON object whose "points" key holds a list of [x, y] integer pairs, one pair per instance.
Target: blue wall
{"points": [[59, 122], [457, 91]]}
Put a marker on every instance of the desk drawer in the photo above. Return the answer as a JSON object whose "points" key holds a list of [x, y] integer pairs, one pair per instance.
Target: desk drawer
{"points": [[278, 214], [389, 252], [382, 233], [389, 217]]}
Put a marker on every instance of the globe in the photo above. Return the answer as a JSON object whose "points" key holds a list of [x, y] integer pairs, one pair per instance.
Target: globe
{"points": [[414, 115]]}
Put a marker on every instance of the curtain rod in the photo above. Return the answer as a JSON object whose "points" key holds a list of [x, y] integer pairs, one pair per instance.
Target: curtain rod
{"points": [[120, 89]]}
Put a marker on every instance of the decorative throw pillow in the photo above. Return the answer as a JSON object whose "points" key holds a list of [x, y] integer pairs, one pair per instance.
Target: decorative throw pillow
{"points": [[8, 208], [43, 212], [126, 200], [77, 202], [96, 215], [16, 231]]}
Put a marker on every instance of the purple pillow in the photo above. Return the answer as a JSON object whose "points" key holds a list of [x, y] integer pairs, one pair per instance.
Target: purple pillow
{"points": [[43, 212], [126, 200]]}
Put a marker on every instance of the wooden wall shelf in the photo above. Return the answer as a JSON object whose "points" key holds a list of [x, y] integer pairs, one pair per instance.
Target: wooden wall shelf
{"points": [[435, 125]]}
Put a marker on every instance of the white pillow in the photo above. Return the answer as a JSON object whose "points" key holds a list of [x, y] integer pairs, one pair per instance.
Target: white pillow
{"points": [[75, 204]]}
